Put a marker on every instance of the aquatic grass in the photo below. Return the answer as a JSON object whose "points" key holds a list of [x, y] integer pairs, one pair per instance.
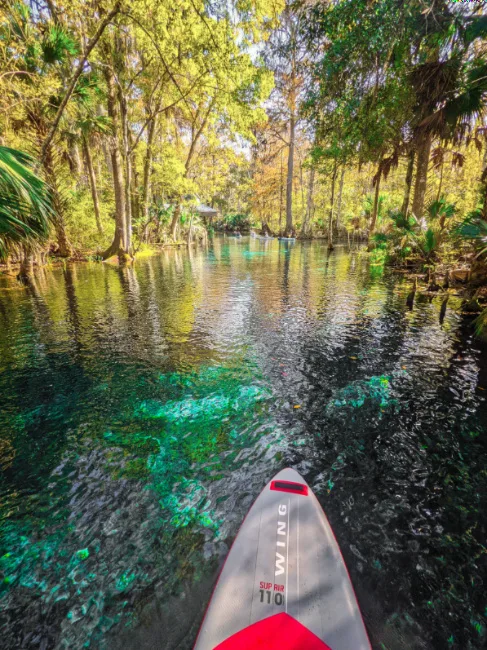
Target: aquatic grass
{"points": [[197, 429], [174, 447], [374, 391]]}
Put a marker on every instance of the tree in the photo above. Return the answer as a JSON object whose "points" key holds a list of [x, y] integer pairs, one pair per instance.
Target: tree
{"points": [[286, 56], [400, 74]]}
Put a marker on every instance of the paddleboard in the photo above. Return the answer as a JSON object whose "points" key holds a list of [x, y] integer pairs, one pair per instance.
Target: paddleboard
{"points": [[284, 584]]}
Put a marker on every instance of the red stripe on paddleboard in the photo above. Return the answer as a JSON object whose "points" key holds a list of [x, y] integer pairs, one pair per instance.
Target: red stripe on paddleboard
{"points": [[289, 486], [278, 632]]}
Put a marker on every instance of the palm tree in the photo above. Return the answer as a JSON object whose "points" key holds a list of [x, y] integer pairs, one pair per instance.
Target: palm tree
{"points": [[25, 203], [44, 51], [451, 93]]}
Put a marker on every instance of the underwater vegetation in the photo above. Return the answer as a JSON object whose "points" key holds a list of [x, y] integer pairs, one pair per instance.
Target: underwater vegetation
{"points": [[375, 391], [132, 498]]}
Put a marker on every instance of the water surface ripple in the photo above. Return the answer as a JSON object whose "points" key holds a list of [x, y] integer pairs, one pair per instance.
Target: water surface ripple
{"points": [[143, 409]]}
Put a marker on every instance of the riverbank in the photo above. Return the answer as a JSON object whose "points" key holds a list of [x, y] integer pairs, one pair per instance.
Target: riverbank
{"points": [[52, 261]]}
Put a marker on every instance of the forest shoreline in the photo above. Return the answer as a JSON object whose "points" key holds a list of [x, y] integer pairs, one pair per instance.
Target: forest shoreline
{"points": [[139, 142], [447, 278]]}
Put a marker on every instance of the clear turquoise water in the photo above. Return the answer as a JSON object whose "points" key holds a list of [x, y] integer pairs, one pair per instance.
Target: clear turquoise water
{"points": [[142, 410]]}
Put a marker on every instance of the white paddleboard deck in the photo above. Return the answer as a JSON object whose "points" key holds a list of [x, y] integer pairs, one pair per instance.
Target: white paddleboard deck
{"points": [[284, 584]]}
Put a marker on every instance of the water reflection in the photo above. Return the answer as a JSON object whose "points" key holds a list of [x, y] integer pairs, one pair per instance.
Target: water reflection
{"points": [[144, 408]]}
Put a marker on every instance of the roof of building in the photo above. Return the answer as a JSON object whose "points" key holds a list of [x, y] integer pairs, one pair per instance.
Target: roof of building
{"points": [[205, 209]]}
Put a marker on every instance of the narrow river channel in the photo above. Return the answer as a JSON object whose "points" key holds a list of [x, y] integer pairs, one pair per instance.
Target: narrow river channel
{"points": [[142, 411]]}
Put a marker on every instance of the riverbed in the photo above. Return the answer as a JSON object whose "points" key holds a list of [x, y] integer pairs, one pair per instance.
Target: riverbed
{"points": [[143, 409]]}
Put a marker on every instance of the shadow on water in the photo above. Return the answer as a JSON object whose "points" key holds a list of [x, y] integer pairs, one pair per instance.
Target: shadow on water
{"points": [[144, 408]]}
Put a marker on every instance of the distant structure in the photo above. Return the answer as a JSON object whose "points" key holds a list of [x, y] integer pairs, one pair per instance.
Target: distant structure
{"points": [[206, 213]]}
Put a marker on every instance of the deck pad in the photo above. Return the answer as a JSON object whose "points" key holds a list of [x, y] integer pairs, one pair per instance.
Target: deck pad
{"points": [[284, 584]]}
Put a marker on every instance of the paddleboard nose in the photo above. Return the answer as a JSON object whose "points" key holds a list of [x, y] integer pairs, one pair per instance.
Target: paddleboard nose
{"points": [[284, 583], [290, 474]]}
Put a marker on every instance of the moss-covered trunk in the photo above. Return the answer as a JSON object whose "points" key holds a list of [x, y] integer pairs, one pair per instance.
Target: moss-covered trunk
{"points": [[421, 181], [93, 187], [408, 182], [118, 245]]}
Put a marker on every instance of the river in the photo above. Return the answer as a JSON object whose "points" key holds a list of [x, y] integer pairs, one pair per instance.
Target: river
{"points": [[143, 409]]}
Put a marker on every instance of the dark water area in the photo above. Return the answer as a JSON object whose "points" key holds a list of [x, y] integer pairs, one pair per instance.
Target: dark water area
{"points": [[142, 411]]}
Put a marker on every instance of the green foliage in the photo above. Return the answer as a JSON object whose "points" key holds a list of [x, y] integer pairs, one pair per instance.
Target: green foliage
{"points": [[441, 209], [428, 243], [80, 219], [57, 45], [481, 322], [407, 223], [25, 208], [474, 228], [368, 206], [407, 237], [236, 222], [380, 240]]}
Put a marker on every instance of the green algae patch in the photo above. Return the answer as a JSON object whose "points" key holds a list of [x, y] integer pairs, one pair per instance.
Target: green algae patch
{"points": [[83, 554], [375, 391], [170, 448], [214, 406], [124, 581], [251, 254], [200, 436]]}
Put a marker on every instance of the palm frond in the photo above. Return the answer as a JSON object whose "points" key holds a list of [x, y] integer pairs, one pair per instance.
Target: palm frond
{"points": [[441, 208], [476, 29], [57, 45], [474, 227], [25, 205], [430, 242], [402, 221]]}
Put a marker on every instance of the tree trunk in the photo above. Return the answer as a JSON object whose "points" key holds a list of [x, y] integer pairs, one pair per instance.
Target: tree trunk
{"points": [[483, 185], [135, 183], [330, 218], [339, 202], [92, 178], [146, 188], [65, 248], [190, 231], [421, 180], [77, 74], [128, 172], [106, 154], [128, 205], [26, 264], [195, 136], [118, 244], [440, 185], [375, 209], [281, 202], [76, 161], [310, 204], [289, 181], [175, 221], [408, 183], [64, 245]]}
